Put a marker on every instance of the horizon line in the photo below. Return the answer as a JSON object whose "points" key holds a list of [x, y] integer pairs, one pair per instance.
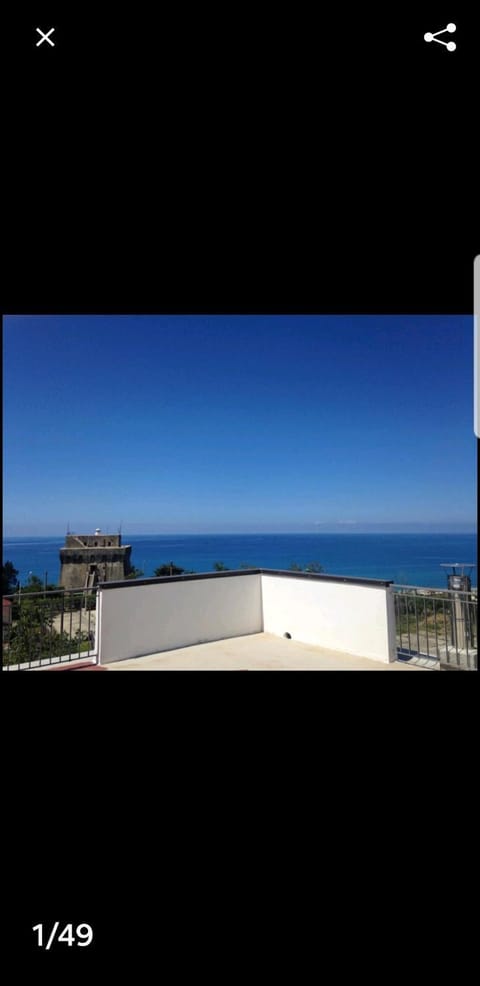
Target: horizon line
{"points": [[346, 530]]}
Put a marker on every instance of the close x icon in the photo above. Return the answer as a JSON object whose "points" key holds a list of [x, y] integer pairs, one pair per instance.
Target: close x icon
{"points": [[45, 36]]}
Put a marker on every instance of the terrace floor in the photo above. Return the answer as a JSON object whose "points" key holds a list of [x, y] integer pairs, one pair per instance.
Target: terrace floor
{"points": [[255, 652]]}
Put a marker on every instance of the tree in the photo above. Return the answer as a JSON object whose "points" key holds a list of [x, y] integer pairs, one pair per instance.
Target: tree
{"points": [[9, 578], [220, 567], [33, 638], [168, 569], [34, 584], [313, 566], [135, 573], [32, 635]]}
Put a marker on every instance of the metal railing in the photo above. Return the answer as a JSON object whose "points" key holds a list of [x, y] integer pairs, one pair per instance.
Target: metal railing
{"points": [[436, 626], [45, 628]]}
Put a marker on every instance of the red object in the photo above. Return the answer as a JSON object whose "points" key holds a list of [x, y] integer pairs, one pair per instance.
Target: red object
{"points": [[82, 667]]}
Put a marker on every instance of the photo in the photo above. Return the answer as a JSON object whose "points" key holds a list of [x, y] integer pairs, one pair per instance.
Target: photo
{"points": [[239, 492]]}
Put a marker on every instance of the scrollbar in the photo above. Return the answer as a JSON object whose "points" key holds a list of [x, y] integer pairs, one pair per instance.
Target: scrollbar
{"points": [[476, 344]]}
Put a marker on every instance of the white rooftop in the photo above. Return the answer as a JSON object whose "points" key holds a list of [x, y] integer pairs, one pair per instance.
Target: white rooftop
{"points": [[254, 652]]}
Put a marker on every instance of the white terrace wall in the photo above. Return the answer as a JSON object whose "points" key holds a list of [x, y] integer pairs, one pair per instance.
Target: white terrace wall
{"points": [[355, 619], [135, 620]]}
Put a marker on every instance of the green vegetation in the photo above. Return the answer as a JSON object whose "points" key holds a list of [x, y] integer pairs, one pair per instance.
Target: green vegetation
{"points": [[168, 569], [35, 584], [35, 644], [135, 573], [427, 613], [220, 567], [9, 578], [313, 566], [37, 631], [33, 636]]}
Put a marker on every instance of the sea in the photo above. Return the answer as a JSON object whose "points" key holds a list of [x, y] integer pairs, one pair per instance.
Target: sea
{"points": [[407, 559]]}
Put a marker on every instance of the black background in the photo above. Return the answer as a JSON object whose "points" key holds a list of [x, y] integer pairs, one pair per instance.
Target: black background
{"points": [[194, 160], [230, 161]]}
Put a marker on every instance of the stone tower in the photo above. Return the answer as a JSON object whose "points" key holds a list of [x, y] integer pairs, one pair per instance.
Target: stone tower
{"points": [[87, 559]]}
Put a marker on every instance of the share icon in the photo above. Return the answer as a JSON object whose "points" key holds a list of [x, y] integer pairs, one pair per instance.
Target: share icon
{"points": [[450, 45]]}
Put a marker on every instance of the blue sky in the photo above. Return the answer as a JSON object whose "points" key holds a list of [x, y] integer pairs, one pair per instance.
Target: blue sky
{"points": [[238, 423]]}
